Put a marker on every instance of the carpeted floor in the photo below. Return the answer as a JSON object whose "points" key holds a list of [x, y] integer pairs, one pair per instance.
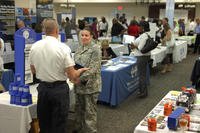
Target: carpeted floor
{"points": [[125, 117]]}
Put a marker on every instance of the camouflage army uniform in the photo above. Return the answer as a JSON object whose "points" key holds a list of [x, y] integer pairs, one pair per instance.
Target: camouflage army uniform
{"points": [[87, 92]]}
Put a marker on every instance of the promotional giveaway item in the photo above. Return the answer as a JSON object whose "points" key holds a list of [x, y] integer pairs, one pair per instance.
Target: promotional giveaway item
{"points": [[19, 93], [152, 123]]}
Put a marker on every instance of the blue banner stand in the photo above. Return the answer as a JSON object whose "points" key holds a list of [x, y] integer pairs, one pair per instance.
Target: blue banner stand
{"points": [[22, 37]]}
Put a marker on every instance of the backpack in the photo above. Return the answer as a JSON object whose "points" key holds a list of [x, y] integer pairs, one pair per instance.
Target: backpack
{"points": [[149, 45]]}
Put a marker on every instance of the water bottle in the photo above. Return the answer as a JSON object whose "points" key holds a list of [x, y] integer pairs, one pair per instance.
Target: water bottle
{"points": [[26, 90], [25, 96], [18, 99], [25, 100], [20, 89], [17, 79], [12, 98], [11, 88], [15, 89], [30, 99]]}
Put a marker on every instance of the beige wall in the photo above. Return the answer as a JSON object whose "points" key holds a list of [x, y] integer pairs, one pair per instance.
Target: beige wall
{"points": [[101, 9], [197, 10], [108, 10], [118, 1], [25, 3]]}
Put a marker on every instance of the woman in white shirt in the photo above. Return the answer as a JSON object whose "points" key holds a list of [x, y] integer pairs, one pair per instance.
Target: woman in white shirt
{"points": [[142, 60], [169, 42], [103, 27], [1, 54]]}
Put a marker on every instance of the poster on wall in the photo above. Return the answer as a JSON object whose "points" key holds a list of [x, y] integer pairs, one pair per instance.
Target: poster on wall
{"points": [[28, 15], [44, 9]]}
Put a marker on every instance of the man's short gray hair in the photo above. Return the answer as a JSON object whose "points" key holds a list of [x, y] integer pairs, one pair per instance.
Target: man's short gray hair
{"points": [[49, 25]]}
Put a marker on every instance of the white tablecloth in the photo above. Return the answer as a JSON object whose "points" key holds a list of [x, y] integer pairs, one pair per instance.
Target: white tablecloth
{"points": [[158, 54], [17, 119], [190, 39], [14, 118], [180, 51], [117, 48], [171, 96]]}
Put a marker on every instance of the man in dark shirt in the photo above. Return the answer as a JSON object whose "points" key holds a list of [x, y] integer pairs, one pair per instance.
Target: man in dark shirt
{"points": [[117, 29]]}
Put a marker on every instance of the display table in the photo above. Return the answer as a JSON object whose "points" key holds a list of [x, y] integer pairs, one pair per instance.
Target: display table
{"points": [[161, 119], [190, 39], [119, 80], [180, 51], [14, 118], [158, 54], [17, 119]]}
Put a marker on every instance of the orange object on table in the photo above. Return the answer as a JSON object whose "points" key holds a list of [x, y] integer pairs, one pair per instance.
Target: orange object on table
{"points": [[152, 123], [187, 117], [167, 109]]}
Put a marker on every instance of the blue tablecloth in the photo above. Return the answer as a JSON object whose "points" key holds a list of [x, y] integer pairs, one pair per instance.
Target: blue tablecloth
{"points": [[7, 78], [119, 80]]}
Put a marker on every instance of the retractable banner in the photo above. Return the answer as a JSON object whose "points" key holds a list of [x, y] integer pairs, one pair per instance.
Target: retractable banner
{"points": [[170, 11]]}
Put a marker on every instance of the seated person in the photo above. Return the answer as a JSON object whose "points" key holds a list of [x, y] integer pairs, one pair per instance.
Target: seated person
{"points": [[107, 52]]}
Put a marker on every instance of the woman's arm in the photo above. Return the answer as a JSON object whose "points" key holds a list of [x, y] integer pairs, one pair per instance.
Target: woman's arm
{"points": [[168, 35]]}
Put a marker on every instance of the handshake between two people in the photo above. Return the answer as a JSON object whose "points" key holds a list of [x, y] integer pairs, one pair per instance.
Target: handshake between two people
{"points": [[74, 75]]}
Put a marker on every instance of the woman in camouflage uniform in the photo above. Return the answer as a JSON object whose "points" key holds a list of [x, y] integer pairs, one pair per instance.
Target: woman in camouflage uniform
{"points": [[87, 55]]}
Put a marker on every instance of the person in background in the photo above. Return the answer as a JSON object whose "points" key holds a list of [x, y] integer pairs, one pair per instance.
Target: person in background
{"points": [[124, 23], [135, 19], [164, 22], [103, 27], [52, 63], [107, 52], [20, 24], [38, 27], [142, 60], [68, 26], [142, 23], [87, 92], [192, 26], [197, 41], [117, 29], [181, 27], [158, 30], [1, 56], [133, 29], [176, 29], [169, 42], [62, 26], [94, 27]]}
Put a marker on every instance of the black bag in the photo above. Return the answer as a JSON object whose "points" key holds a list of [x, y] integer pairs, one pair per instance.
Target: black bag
{"points": [[149, 45]]}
